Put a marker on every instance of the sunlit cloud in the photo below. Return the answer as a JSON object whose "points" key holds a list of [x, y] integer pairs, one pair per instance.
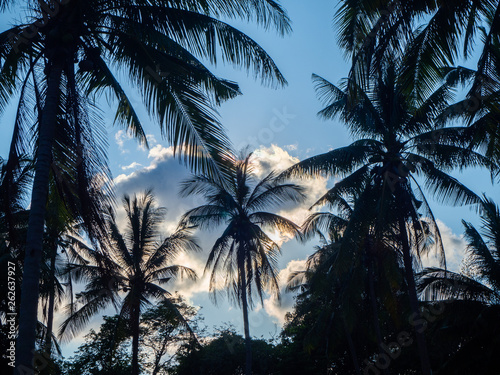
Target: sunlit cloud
{"points": [[278, 309], [454, 248], [121, 136], [160, 153], [133, 165], [278, 159]]}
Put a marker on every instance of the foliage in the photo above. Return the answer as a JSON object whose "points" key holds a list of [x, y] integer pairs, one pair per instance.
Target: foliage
{"points": [[480, 280], [103, 353], [165, 330], [435, 36], [224, 354]]}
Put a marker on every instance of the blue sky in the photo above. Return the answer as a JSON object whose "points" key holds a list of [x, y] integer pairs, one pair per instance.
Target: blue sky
{"points": [[282, 125]]}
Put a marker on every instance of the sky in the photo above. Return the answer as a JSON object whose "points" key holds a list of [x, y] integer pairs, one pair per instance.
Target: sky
{"points": [[282, 127]]}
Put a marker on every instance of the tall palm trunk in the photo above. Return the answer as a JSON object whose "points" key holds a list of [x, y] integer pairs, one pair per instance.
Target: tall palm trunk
{"points": [[373, 301], [374, 305], [248, 340], [410, 279], [352, 348], [33, 256], [135, 339], [370, 260], [52, 294]]}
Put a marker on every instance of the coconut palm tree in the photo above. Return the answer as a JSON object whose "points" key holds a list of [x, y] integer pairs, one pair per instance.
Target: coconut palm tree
{"points": [[348, 275], [243, 260], [62, 233], [398, 148], [471, 298], [159, 44], [130, 271], [14, 191], [78, 191], [437, 33]]}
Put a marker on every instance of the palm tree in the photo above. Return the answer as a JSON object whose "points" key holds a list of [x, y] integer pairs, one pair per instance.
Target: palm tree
{"points": [[51, 290], [398, 148], [243, 260], [469, 325], [134, 263], [159, 45], [62, 233], [347, 275]]}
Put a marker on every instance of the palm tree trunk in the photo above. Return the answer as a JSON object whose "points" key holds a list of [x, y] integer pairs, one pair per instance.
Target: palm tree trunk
{"points": [[248, 340], [52, 293], [412, 290], [33, 256], [135, 339], [373, 302], [352, 348]]}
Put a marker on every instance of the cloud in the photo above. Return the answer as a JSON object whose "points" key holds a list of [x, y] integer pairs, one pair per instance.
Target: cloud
{"points": [[159, 153], [272, 306], [164, 173], [454, 247], [278, 159], [131, 166], [121, 136], [272, 158]]}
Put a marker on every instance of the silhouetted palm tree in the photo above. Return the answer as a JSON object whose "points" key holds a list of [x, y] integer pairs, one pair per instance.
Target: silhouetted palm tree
{"points": [[156, 44], [243, 260], [398, 147], [348, 274], [469, 299], [135, 263]]}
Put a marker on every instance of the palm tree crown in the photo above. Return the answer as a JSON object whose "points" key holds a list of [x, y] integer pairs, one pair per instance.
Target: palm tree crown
{"points": [[435, 35], [400, 144]]}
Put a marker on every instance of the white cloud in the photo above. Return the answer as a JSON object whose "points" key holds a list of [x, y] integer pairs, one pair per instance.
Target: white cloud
{"points": [[159, 153], [275, 158], [272, 306], [454, 247], [267, 159], [188, 288], [131, 166], [151, 139], [121, 136]]}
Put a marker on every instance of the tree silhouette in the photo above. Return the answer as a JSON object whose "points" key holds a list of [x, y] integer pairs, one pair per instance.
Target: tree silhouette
{"points": [[243, 260], [130, 271]]}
